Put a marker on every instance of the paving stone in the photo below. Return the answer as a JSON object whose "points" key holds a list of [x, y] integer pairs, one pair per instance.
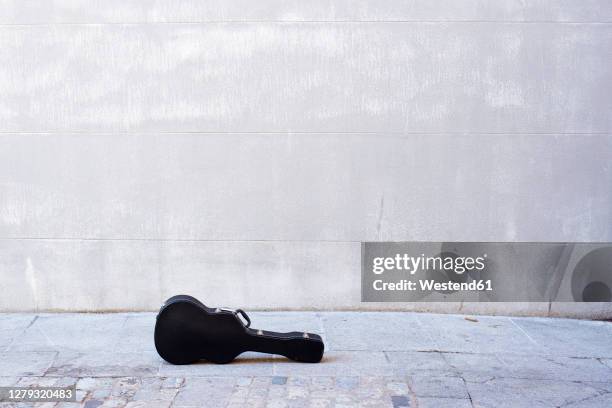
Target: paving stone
{"points": [[555, 368], [258, 392], [296, 392], [240, 393], [100, 393], [569, 337], [236, 402], [452, 333], [94, 383], [322, 382], [80, 395], [400, 401], [277, 403], [398, 388], [173, 382], [347, 383], [65, 382], [299, 381], [298, 403], [36, 382], [346, 363], [428, 402], [247, 364], [371, 389], [278, 380], [322, 391], [344, 398], [243, 381], [114, 403], [321, 403], [33, 363], [77, 332], [154, 392], [126, 388], [105, 364], [598, 401], [509, 392], [256, 402], [69, 404], [375, 403], [8, 381], [484, 365], [447, 387], [261, 382], [277, 392], [208, 391], [409, 362], [371, 331], [148, 404], [13, 324], [137, 333], [46, 405], [603, 387]]}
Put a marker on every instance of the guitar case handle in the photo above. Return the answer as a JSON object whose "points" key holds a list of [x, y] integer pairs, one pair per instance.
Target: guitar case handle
{"points": [[244, 315]]}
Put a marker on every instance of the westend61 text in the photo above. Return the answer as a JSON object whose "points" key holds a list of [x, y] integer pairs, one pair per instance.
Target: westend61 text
{"points": [[430, 284]]}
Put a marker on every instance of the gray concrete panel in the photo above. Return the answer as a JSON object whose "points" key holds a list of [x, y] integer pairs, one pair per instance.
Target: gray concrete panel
{"points": [[307, 77], [307, 187]]}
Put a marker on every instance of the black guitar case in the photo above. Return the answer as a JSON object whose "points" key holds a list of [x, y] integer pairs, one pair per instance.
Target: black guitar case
{"points": [[186, 331]]}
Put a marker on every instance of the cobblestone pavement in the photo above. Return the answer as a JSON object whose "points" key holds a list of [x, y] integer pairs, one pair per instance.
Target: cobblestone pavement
{"points": [[384, 359]]}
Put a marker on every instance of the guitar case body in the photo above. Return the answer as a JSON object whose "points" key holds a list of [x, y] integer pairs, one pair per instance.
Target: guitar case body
{"points": [[187, 331]]}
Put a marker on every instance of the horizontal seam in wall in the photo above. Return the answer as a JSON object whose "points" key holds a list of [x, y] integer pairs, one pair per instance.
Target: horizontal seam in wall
{"points": [[172, 240], [291, 240], [238, 132], [305, 22]]}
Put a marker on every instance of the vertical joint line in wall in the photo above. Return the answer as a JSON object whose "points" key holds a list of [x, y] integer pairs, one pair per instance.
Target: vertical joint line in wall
{"points": [[549, 307], [381, 211], [30, 274]]}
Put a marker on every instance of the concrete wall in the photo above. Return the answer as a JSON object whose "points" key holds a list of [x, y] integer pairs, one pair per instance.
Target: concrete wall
{"points": [[240, 152]]}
